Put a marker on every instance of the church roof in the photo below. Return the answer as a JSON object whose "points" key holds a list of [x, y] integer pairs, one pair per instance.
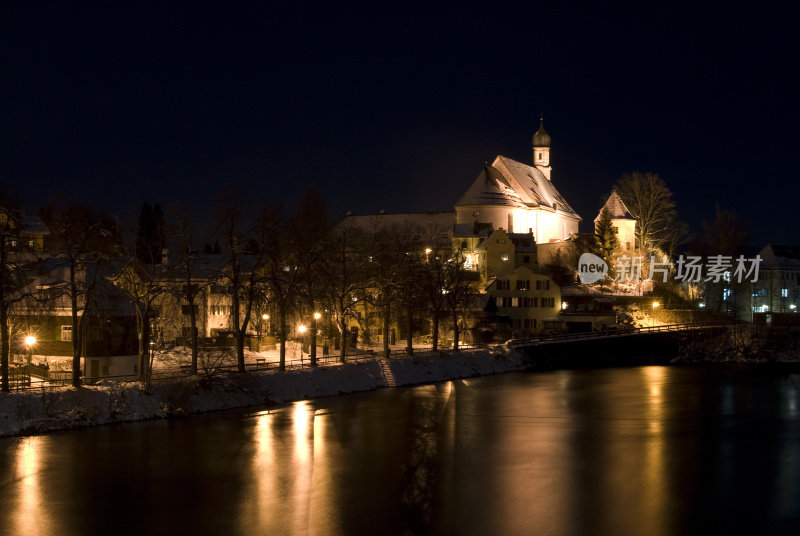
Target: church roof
{"points": [[507, 182], [615, 207], [491, 188]]}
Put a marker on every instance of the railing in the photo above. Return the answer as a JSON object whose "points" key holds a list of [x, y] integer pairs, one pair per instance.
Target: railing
{"points": [[686, 326], [224, 364]]}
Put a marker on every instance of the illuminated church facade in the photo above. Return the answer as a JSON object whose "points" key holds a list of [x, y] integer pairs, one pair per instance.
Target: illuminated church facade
{"points": [[519, 198]]}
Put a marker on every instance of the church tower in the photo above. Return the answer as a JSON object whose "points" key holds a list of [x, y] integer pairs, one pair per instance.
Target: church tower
{"points": [[541, 149]]}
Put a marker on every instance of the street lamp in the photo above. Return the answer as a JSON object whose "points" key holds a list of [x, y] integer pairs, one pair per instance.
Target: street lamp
{"points": [[652, 317], [30, 340]]}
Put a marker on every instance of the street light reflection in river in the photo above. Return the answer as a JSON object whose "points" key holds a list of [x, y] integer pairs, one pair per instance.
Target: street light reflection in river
{"points": [[291, 485], [30, 515]]}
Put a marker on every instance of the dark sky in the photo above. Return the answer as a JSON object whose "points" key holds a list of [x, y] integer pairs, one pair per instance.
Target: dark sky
{"points": [[397, 106]]}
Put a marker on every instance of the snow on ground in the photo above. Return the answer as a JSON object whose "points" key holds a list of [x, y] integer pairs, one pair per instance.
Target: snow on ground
{"points": [[48, 409]]}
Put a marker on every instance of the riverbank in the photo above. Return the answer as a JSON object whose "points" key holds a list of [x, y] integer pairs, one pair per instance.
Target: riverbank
{"points": [[36, 411]]}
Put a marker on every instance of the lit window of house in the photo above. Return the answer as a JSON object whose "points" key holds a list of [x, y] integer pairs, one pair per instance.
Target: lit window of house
{"points": [[66, 333]]}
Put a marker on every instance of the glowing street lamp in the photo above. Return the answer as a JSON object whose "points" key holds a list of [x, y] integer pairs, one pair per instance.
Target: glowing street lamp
{"points": [[652, 317], [313, 339], [302, 329], [30, 340]]}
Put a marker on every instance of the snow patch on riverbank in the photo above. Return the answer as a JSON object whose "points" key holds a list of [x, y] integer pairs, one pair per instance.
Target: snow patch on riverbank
{"points": [[51, 409]]}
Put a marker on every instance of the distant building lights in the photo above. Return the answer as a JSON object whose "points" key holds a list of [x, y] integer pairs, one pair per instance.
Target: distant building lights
{"points": [[792, 307], [701, 305], [564, 305]]}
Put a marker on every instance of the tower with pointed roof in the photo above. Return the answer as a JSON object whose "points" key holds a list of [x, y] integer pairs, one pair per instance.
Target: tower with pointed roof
{"points": [[541, 149], [624, 224]]}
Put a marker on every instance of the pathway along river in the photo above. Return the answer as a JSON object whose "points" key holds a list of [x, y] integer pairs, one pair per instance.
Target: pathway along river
{"points": [[646, 450]]}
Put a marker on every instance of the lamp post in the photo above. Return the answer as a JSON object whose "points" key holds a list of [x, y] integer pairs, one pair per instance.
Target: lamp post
{"points": [[30, 340], [653, 317], [302, 330], [313, 353]]}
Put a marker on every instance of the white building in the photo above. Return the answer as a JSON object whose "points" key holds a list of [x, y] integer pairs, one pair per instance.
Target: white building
{"points": [[624, 224], [520, 198]]}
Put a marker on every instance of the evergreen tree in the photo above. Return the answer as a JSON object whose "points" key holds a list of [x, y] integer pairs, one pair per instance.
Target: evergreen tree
{"points": [[150, 237], [606, 236]]}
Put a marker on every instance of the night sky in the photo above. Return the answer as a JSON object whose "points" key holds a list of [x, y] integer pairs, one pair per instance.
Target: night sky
{"points": [[397, 106]]}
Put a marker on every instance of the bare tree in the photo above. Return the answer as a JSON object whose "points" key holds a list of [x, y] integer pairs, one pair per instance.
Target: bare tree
{"points": [[345, 270], [80, 236], [282, 274], [457, 289], [241, 276], [650, 202], [192, 284], [725, 235], [143, 283], [308, 229], [435, 284], [11, 277]]}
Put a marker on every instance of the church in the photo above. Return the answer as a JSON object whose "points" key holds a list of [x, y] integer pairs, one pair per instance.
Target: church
{"points": [[519, 198]]}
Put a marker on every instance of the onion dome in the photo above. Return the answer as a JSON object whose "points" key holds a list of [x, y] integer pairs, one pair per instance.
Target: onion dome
{"points": [[541, 138]]}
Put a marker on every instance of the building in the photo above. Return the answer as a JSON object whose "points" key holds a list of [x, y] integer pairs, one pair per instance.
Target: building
{"points": [[621, 220], [528, 301], [107, 317], [520, 198], [778, 288]]}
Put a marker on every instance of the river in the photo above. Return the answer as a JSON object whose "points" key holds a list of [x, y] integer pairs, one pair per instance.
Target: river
{"points": [[645, 451]]}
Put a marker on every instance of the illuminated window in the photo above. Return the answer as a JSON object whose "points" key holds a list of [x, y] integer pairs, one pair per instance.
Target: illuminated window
{"points": [[504, 256], [66, 333], [784, 293]]}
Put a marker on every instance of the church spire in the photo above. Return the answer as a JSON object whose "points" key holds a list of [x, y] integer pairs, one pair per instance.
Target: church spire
{"points": [[541, 149]]}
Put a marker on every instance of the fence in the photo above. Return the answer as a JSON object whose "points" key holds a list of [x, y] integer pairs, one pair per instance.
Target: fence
{"points": [[46, 378], [616, 332]]}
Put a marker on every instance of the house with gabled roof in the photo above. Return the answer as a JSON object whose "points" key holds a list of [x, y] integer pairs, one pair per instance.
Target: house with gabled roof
{"points": [[621, 219]]}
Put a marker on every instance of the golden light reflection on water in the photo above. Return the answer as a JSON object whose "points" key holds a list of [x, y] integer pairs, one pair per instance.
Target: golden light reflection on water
{"points": [[655, 482], [29, 513], [291, 480]]}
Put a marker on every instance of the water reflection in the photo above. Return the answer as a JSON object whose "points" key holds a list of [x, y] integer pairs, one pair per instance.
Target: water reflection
{"points": [[290, 486], [29, 510], [649, 450]]}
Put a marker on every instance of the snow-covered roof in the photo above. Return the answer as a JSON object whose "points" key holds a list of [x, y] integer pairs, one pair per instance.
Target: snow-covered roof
{"points": [[780, 257], [34, 225], [491, 188], [616, 208], [507, 182]]}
